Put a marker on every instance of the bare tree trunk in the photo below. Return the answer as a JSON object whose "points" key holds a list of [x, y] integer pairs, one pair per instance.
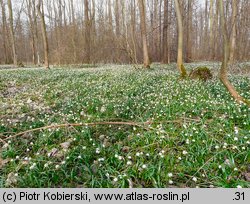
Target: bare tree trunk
{"points": [[224, 66], [12, 33], [87, 32], [189, 31], [44, 33], [4, 29], [117, 18], [233, 35], [215, 49], [180, 65], [211, 31], [165, 33], [32, 30], [36, 32], [144, 34]]}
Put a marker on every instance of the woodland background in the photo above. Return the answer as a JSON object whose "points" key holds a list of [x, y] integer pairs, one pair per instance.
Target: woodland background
{"points": [[108, 31]]}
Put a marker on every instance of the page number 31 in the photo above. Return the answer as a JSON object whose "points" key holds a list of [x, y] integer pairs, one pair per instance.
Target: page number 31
{"points": [[239, 196]]}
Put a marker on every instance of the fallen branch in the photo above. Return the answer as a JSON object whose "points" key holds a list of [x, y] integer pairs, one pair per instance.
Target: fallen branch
{"points": [[79, 125], [138, 124]]}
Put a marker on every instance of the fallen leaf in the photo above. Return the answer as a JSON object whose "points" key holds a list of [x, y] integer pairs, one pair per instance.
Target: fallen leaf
{"points": [[65, 145], [11, 179], [125, 149], [247, 177], [3, 162], [53, 152]]}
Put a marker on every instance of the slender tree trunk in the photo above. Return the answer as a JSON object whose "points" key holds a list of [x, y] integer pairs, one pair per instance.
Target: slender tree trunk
{"points": [[87, 32], [215, 50], [165, 33], [12, 33], [36, 32], [233, 35], [180, 65], [4, 29], [224, 66], [44, 33], [211, 30], [117, 18], [144, 34], [32, 31], [189, 31]]}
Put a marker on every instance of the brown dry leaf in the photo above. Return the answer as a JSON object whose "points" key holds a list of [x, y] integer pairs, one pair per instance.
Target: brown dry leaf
{"points": [[102, 137], [53, 152], [247, 177], [25, 162], [59, 154], [11, 179], [125, 149], [3, 162], [65, 145]]}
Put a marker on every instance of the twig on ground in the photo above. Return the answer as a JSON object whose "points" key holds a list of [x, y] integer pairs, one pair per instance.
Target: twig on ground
{"points": [[79, 125]]}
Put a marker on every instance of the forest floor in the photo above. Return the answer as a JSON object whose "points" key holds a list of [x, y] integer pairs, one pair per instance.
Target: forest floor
{"points": [[129, 128]]}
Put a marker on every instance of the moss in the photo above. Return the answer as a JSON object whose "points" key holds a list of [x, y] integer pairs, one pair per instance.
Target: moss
{"points": [[201, 73], [183, 72], [20, 64], [247, 102]]}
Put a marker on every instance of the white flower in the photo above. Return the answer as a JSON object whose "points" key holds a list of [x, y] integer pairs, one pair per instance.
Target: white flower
{"points": [[33, 166], [170, 182], [239, 186], [103, 109], [137, 154], [29, 101], [97, 151], [46, 165], [184, 152], [234, 147], [79, 157], [144, 166], [101, 159], [129, 163], [115, 179], [57, 166], [236, 130], [194, 179], [236, 139], [170, 175]]}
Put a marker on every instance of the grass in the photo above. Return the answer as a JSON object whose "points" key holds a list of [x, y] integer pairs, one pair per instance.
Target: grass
{"points": [[199, 137]]}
